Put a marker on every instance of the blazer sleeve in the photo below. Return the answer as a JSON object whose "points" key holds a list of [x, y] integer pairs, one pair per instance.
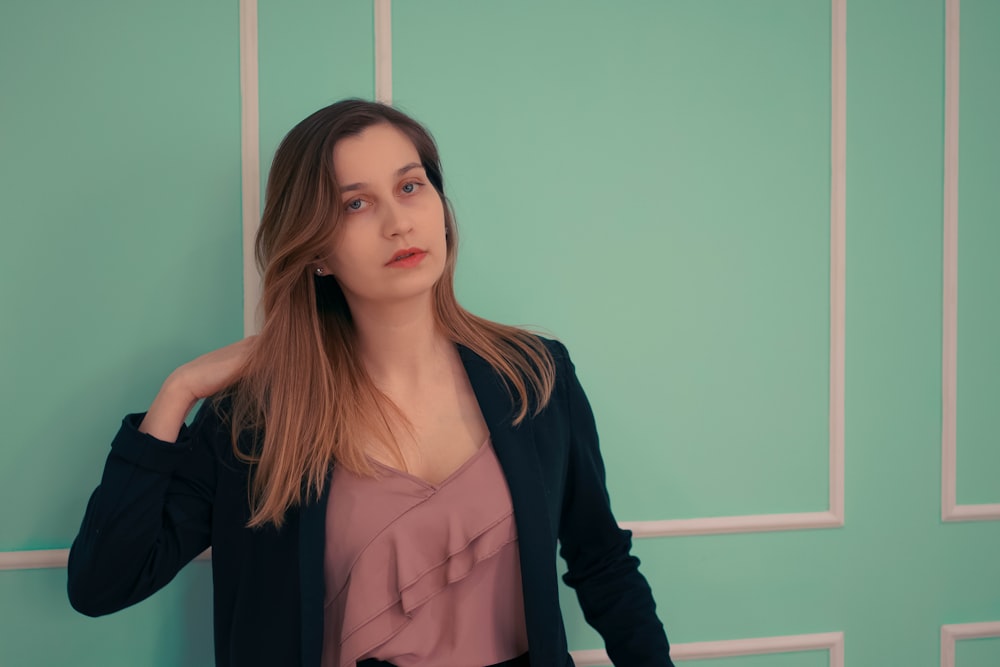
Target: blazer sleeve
{"points": [[150, 515], [614, 596]]}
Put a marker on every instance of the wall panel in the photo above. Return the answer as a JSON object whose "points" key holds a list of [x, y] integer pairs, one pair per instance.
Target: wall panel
{"points": [[312, 53], [984, 652], [120, 177], [978, 442], [636, 180], [656, 173]]}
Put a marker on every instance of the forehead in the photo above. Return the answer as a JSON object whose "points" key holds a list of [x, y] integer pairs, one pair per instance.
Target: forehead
{"points": [[375, 153]]}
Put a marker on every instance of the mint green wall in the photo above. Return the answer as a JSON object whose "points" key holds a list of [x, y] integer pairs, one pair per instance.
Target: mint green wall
{"points": [[979, 268], [670, 164], [119, 177], [632, 197], [978, 652]]}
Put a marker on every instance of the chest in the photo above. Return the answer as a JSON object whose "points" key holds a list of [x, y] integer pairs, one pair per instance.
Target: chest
{"points": [[443, 429]]}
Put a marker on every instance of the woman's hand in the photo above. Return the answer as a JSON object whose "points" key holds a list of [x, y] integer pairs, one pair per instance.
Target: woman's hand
{"points": [[195, 380]]}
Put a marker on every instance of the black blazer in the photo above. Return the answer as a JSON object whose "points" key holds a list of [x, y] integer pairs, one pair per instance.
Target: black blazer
{"points": [[161, 504]]}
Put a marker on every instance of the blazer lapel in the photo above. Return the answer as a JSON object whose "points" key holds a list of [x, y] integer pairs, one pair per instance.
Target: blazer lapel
{"points": [[515, 449], [312, 545]]}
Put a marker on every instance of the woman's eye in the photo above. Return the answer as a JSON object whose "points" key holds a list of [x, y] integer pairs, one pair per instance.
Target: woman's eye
{"points": [[413, 185], [354, 205]]}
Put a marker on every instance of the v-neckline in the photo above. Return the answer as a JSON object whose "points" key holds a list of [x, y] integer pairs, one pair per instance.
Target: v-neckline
{"points": [[452, 475], [514, 448]]}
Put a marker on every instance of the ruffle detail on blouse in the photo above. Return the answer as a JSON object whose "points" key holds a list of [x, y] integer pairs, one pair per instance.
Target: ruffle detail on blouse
{"points": [[456, 566], [436, 542]]}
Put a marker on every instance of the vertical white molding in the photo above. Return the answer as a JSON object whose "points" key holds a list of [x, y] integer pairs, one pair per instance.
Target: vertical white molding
{"points": [[383, 51], [833, 516], [250, 159], [250, 183], [950, 509], [838, 249], [953, 633], [949, 313], [832, 642], [830, 518]]}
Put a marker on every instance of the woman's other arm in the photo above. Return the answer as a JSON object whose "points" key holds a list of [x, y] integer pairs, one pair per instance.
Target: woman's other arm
{"points": [[614, 596]]}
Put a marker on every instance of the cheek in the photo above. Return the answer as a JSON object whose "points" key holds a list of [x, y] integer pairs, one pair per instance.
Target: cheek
{"points": [[347, 251], [434, 211]]}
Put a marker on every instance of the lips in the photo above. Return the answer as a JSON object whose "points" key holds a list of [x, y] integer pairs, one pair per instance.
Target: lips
{"points": [[404, 254]]}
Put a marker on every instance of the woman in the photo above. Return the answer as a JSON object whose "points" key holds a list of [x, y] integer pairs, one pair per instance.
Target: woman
{"points": [[382, 476]]}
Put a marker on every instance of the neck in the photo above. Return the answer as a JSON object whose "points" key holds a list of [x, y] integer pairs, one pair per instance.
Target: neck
{"points": [[400, 344]]}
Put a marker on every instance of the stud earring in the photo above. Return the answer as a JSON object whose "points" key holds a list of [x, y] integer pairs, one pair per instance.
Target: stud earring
{"points": [[319, 272]]}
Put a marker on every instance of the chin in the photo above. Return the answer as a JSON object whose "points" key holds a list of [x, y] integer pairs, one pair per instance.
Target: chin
{"points": [[415, 289]]}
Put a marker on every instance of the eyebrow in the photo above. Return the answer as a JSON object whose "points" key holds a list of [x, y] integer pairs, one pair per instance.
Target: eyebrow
{"points": [[399, 172]]}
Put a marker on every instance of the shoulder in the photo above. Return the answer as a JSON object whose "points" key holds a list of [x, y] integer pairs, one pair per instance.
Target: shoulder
{"points": [[559, 353], [565, 380], [555, 347]]}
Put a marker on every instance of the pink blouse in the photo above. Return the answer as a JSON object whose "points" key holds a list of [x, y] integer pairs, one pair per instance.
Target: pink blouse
{"points": [[418, 573]]}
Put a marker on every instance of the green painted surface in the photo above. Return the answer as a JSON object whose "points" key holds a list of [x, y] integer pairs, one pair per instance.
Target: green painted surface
{"points": [[650, 172], [312, 53], [171, 629], [798, 659], [978, 252], [613, 192], [980, 652], [120, 183]]}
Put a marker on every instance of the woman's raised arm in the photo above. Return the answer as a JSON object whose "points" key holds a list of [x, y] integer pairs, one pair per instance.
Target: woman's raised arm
{"points": [[152, 512]]}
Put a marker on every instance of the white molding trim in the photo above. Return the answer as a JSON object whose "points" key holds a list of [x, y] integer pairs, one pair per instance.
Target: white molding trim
{"points": [[40, 559], [950, 509], [833, 642], [33, 560], [957, 632], [833, 516], [383, 51], [250, 160], [751, 523], [830, 518]]}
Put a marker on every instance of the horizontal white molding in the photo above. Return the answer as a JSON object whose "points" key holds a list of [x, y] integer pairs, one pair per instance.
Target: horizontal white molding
{"points": [[39, 559], [751, 523], [833, 642], [833, 516], [985, 512], [48, 558], [953, 633], [950, 509], [33, 560], [26, 560]]}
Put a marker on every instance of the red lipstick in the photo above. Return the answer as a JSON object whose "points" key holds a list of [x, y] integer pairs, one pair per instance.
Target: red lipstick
{"points": [[407, 257]]}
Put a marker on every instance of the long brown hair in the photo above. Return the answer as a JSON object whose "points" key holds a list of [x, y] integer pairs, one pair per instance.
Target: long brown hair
{"points": [[305, 395]]}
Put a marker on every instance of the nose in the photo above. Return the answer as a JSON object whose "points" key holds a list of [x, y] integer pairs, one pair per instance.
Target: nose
{"points": [[395, 219]]}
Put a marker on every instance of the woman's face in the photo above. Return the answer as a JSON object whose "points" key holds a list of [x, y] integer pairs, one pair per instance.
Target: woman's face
{"points": [[389, 206]]}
